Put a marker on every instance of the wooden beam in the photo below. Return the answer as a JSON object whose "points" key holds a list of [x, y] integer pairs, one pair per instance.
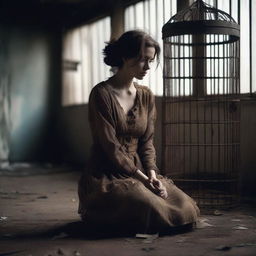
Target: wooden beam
{"points": [[117, 20]]}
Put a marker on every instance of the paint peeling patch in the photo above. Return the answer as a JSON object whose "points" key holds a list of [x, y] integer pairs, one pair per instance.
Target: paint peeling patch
{"points": [[17, 104], [4, 118]]}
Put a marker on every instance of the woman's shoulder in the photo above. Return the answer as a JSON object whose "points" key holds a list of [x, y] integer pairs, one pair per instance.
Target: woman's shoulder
{"points": [[145, 91], [100, 94], [99, 90]]}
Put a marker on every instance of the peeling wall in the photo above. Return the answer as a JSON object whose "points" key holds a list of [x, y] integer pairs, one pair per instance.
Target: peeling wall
{"points": [[4, 99], [29, 79]]}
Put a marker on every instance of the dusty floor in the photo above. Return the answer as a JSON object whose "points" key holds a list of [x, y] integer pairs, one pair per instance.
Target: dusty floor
{"points": [[38, 216]]}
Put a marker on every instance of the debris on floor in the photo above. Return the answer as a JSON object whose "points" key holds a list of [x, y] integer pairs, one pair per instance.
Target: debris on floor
{"points": [[217, 213], [60, 236], [42, 197], [148, 238], [223, 248], [3, 218], [181, 240], [240, 228], [77, 253], [60, 252], [227, 248], [236, 220], [148, 249], [203, 223]]}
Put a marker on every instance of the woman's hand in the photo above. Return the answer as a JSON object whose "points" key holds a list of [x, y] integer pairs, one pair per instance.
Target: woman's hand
{"points": [[139, 175], [158, 187], [152, 183]]}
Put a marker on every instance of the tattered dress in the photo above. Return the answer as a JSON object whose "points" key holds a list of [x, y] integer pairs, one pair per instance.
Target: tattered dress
{"points": [[109, 195]]}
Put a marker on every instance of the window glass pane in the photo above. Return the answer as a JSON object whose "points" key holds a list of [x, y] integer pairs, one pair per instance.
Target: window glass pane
{"points": [[234, 10], [224, 5], [253, 43], [83, 46], [150, 16], [244, 47], [211, 2], [71, 76]]}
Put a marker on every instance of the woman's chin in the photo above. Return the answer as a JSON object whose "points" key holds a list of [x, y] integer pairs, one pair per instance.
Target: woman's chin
{"points": [[140, 77]]}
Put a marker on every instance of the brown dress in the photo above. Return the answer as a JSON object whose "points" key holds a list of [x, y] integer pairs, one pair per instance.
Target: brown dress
{"points": [[123, 143]]}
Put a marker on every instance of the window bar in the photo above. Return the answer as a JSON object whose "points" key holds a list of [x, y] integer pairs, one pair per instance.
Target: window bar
{"points": [[149, 20], [232, 91], [197, 117], [184, 106], [225, 93], [144, 13], [204, 102], [215, 4], [234, 87], [157, 32], [218, 103], [231, 85], [179, 104], [237, 69], [164, 117], [190, 95], [134, 15], [212, 63], [250, 40], [82, 64], [239, 10], [174, 68]]}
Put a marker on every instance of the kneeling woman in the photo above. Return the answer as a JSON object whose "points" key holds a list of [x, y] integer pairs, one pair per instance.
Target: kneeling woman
{"points": [[122, 187]]}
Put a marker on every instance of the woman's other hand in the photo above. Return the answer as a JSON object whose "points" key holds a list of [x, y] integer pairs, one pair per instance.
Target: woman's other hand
{"points": [[159, 188], [157, 185]]}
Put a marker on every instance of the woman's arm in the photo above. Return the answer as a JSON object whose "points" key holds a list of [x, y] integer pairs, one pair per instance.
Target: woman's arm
{"points": [[146, 148], [103, 129]]}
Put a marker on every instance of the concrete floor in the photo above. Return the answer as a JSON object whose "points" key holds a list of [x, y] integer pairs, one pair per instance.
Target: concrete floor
{"points": [[38, 216]]}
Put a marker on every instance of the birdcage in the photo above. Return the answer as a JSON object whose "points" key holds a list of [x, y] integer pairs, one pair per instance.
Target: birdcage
{"points": [[201, 109]]}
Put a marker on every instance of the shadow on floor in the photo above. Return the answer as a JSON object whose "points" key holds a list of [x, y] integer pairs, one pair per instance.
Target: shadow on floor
{"points": [[81, 230]]}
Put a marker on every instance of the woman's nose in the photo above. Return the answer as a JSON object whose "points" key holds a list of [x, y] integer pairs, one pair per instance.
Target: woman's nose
{"points": [[146, 65]]}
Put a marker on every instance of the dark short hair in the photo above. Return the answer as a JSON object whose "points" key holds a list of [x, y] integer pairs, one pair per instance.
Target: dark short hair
{"points": [[131, 44]]}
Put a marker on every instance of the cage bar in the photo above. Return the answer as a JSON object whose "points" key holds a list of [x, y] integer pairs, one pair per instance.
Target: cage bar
{"points": [[201, 108]]}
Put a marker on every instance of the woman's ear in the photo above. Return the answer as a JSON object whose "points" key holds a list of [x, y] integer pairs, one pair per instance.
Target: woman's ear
{"points": [[125, 61]]}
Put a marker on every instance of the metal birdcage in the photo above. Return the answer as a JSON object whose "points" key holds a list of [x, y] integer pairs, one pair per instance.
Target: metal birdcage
{"points": [[201, 109]]}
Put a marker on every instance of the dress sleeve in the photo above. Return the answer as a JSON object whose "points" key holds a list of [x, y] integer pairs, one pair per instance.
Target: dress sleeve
{"points": [[103, 129], [146, 150]]}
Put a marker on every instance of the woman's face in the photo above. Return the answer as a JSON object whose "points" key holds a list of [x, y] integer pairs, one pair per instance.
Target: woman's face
{"points": [[138, 68]]}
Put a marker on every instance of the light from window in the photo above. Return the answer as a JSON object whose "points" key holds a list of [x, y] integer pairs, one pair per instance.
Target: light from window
{"points": [[83, 65], [150, 16], [253, 43]]}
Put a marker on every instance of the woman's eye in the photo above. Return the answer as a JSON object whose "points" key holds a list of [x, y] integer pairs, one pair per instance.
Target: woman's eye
{"points": [[146, 60]]}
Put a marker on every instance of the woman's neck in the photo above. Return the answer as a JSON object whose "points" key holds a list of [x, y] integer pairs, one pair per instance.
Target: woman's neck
{"points": [[121, 80]]}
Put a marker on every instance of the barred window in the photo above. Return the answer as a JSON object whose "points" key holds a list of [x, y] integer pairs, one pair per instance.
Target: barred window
{"points": [[83, 65], [150, 16]]}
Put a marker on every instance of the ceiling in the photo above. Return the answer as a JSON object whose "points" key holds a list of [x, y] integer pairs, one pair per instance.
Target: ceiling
{"points": [[55, 13]]}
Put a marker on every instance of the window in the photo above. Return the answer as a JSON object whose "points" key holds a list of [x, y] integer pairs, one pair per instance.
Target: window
{"points": [[150, 16], [244, 12], [253, 43], [83, 65]]}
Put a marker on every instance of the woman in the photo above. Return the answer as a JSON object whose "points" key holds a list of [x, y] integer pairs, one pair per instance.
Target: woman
{"points": [[122, 188]]}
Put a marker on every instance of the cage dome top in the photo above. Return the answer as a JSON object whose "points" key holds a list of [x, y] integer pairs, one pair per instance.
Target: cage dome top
{"points": [[201, 18]]}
